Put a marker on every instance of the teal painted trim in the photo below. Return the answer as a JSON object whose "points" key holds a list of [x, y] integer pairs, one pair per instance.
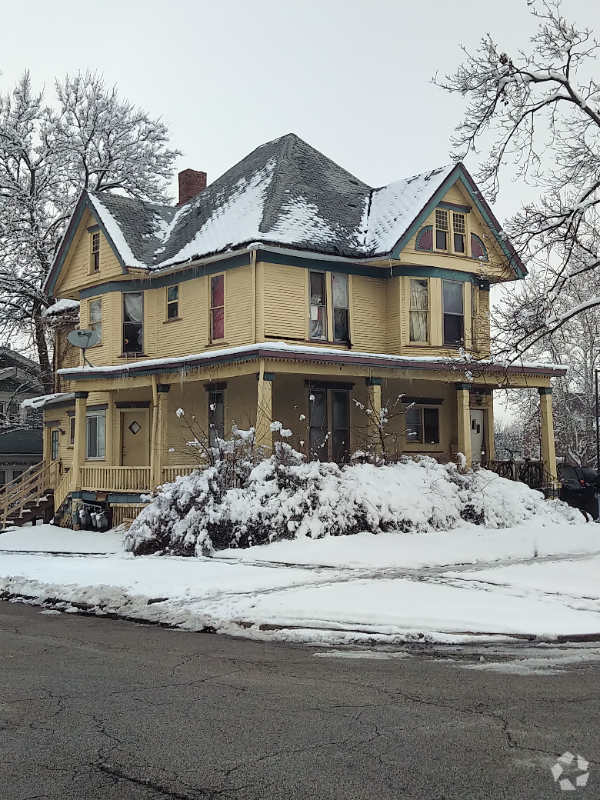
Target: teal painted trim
{"points": [[268, 376], [467, 386], [455, 207], [93, 228], [435, 272], [545, 390], [460, 173], [321, 265], [158, 281]]}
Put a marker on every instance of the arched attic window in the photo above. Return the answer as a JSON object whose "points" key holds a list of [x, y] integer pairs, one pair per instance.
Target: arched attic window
{"points": [[425, 238], [478, 250]]}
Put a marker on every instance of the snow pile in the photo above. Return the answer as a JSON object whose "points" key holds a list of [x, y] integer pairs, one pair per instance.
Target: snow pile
{"points": [[282, 497], [65, 306]]}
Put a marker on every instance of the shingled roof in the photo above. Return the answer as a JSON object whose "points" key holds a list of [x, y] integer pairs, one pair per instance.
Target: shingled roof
{"points": [[285, 193]]}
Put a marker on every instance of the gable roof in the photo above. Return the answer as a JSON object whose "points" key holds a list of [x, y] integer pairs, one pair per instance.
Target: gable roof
{"points": [[283, 193]]}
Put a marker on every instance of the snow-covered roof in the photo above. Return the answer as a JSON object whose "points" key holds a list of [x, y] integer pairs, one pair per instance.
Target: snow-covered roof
{"points": [[285, 193], [283, 350], [61, 307], [47, 400]]}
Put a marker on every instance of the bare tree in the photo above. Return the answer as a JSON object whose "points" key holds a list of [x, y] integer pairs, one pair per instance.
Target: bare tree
{"points": [[89, 139], [543, 114]]}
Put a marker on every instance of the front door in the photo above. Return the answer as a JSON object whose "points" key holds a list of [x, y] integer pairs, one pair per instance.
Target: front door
{"points": [[135, 438], [476, 435]]}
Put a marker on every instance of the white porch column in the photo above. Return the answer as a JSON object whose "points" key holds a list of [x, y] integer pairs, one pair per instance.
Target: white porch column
{"points": [[157, 451], [79, 442], [374, 407], [547, 426], [463, 410]]}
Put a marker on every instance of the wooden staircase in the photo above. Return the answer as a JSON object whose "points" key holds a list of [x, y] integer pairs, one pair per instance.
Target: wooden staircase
{"points": [[30, 496]]}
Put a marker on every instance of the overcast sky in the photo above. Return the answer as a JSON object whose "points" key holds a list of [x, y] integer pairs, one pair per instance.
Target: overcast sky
{"points": [[351, 77]]}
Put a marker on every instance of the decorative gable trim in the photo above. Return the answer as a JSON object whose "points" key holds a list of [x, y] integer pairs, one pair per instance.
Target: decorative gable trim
{"points": [[460, 173], [83, 204]]}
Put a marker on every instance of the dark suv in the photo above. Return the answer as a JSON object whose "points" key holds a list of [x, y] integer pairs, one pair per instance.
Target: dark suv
{"points": [[579, 487]]}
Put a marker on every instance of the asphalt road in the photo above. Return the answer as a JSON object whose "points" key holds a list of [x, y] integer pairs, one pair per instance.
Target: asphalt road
{"points": [[96, 708]]}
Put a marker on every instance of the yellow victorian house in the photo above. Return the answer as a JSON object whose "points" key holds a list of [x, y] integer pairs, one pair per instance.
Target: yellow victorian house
{"points": [[287, 290]]}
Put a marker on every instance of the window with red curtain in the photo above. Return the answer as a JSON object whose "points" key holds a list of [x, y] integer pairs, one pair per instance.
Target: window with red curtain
{"points": [[217, 307]]}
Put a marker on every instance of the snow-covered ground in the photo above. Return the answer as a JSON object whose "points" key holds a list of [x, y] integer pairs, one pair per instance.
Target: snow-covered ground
{"points": [[535, 579]]}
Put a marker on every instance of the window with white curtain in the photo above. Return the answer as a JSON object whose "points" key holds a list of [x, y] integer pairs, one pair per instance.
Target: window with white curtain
{"points": [[95, 439], [419, 310], [133, 322]]}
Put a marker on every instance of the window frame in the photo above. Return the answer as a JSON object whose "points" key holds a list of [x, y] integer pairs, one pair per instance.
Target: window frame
{"points": [[452, 216], [329, 307], [97, 324], [124, 322], [415, 310], [54, 443], [72, 430], [212, 309], [422, 424], [94, 252], [445, 313], [172, 304], [324, 440], [100, 440]]}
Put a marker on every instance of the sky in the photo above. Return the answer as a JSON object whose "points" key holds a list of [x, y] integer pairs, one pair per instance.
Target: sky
{"points": [[351, 77]]}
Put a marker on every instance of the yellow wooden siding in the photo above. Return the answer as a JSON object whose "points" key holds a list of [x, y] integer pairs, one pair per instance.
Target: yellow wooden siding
{"points": [[482, 325], [393, 315], [238, 306], [368, 314], [186, 335], [75, 273], [285, 302]]}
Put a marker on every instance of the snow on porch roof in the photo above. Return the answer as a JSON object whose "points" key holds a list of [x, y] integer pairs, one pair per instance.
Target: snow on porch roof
{"points": [[285, 193], [283, 351]]}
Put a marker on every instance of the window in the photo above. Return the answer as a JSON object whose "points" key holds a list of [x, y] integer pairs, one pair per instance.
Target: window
{"points": [[2, 477], [217, 307], [54, 439], [441, 229], [216, 416], [71, 430], [454, 324], [133, 322], [95, 439], [16, 473], [95, 252], [419, 311], [473, 316], [172, 302], [341, 322], [422, 425], [95, 316], [460, 229], [318, 306]]}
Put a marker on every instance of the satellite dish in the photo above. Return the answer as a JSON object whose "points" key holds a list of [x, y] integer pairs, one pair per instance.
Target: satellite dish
{"points": [[84, 338]]}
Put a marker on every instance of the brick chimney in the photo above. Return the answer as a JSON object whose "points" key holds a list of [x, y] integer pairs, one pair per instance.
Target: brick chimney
{"points": [[191, 183]]}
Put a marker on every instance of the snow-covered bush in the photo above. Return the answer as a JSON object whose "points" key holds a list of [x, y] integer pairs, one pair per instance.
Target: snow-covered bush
{"points": [[258, 501]]}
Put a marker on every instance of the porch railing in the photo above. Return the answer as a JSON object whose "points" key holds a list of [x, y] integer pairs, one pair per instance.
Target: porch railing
{"points": [[62, 490], [30, 487], [170, 473], [528, 471], [116, 479]]}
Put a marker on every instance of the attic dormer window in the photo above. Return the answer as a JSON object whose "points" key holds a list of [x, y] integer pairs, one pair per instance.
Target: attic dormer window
{"points": [[95, 252], [441, 229]]}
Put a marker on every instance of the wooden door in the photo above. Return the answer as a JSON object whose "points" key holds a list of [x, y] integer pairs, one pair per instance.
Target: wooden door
{"points": [[135, 438]]}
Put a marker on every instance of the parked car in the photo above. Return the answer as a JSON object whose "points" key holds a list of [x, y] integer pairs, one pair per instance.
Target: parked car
{"points": [[579, 488]]}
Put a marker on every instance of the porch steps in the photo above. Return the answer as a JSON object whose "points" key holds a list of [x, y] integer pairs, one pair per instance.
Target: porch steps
{"points": [[29, 497]]}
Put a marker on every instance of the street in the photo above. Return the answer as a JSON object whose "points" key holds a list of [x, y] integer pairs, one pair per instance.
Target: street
{"points": [[100, 709]]}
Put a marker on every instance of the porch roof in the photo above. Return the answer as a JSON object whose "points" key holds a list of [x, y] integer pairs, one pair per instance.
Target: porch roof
{"points": [[281, 351]]}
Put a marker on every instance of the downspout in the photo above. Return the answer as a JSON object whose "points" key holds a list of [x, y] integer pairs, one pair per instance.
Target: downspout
{"points": [[154, 479], [253, 269]]}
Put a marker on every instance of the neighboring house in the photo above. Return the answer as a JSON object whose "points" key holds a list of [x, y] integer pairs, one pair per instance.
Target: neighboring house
{"points": [[19, 449], [284, 291]]}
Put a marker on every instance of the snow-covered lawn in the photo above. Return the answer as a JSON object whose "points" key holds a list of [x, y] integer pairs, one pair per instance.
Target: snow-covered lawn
{"points": [[390, 587]]}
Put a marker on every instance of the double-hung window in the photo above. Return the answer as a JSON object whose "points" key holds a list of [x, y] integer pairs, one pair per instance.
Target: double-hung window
{"points": [[95, 435], [459, 227], [217, 307], [450, 231], [95, 316], [133, 322], [54, 440], [173, 302], [329, 316], [474, 299], [453, 309], [95, 252], [419, 310], [216, 416], [422, 425]]}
